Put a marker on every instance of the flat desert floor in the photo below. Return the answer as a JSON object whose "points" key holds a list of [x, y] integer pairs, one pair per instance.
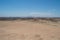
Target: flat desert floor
{"points": [[27, 30]]}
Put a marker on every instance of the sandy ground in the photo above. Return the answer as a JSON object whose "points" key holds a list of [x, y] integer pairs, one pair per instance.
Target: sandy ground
{"points": [[26, 30]]}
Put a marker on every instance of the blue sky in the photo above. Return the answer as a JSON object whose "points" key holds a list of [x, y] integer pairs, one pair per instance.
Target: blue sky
{"points": [[27, 8]]}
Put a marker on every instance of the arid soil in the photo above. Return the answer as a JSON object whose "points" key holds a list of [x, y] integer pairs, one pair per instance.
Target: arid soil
{"points": [[29, 30]]}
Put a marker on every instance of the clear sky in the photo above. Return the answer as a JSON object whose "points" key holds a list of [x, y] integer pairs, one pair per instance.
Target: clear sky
{"points": [[27, 8]]}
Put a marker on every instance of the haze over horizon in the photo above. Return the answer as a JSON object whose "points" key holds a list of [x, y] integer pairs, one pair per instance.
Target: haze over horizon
{"points": [[29, 8]]}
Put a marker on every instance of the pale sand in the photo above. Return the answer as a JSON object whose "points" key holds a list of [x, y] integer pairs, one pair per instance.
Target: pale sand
{"points": [[26, 30]]}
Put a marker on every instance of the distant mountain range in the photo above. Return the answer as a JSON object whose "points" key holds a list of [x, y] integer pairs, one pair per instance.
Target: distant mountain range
{"points": [[30, 18]]}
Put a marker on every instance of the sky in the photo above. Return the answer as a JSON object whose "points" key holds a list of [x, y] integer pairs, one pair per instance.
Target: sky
{"points": [[29, 8]]}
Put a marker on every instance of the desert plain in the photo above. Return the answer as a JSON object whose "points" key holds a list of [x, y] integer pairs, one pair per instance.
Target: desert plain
{"points": [[29, 30]]}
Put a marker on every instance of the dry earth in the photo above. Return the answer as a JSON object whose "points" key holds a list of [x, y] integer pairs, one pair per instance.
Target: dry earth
{"points": [[27, 30]]}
